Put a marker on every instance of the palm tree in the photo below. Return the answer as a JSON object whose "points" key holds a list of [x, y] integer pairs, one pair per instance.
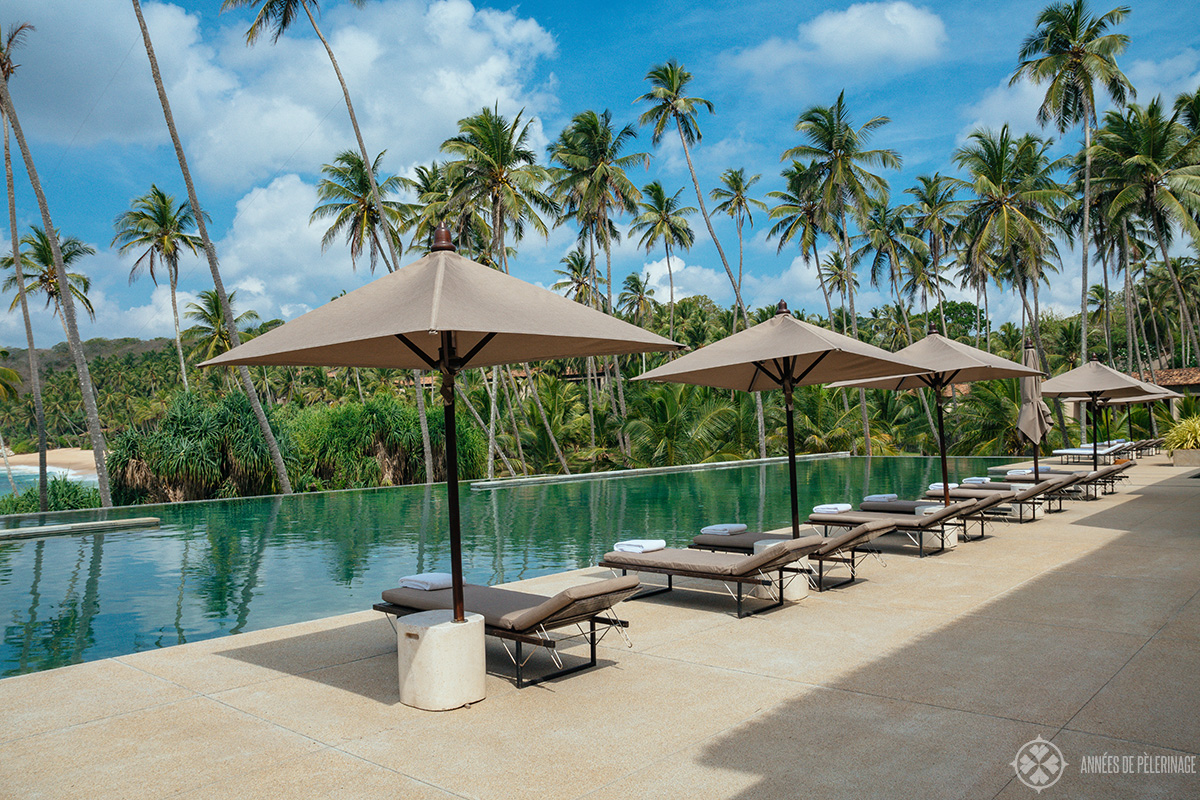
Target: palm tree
{"points": [[736, 204], [838, 169], [42, 278], [9, 379], [799, 214], [74, 343], [161, 227], [497, 171], [1154, 162], [577, 279], [14, 38], [936, 212], [1071, 50], [668, 84], [210, 334], [664, 220], [210, 252], [636, 300], [344, 195]]}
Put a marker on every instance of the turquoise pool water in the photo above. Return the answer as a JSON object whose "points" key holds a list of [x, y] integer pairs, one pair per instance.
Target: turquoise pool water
{"points": [[221, 567]]}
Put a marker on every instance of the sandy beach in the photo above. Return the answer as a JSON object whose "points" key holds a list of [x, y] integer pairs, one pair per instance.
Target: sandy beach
{"points": [[72, 458]]}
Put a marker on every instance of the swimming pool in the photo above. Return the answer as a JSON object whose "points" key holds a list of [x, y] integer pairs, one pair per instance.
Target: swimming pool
{"points": [[221, 567]]}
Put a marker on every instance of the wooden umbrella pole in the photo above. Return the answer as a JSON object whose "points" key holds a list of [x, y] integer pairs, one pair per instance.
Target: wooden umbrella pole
{"points": [[791, 434], [447, 368]]}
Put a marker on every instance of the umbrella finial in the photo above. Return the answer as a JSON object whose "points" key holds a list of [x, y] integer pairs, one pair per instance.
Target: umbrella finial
{"points": [[441, 239], [1028, 343], [932, 329], [782, 309]]}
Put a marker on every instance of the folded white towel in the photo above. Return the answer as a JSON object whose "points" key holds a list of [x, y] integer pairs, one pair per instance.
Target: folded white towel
{"points": [[937, 487], [724, 529], [977, 480], [1019, 472], [640, 545], [831, 508], [927, 510], [880, 498], [427, 581]]}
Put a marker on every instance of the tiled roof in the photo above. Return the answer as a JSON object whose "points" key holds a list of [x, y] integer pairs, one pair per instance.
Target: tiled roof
{"points": [[1181, 376]]}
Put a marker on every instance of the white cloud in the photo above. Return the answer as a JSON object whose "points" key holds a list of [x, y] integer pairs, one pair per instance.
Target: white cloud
{"points": [[690, 280], [246, 114], [1170, 77], [896, 35], [1002, 104]]}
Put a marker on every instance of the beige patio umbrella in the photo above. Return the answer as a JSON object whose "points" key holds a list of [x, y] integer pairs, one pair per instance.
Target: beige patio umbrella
{"points": [[946, 362], [446, 313], [781, 353], [1095, 382], [1034, 419], [1154, 394]]}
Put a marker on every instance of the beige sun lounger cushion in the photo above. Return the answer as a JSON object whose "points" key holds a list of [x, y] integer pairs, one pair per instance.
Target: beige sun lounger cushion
{"points": [[745, 541], [719, 564], [512, 610], [901, 520]]}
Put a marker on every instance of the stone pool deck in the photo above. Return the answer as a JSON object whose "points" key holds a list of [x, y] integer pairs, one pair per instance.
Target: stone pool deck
{"points": [[921, 680]]}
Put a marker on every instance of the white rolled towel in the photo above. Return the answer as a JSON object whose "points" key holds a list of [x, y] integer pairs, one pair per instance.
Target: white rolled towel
{"points": [[977, 480], [1019, 472], [427, 581], [640, 545], [925, 511], [726, 529], [937, 487], [880, 498], [831, 508]]}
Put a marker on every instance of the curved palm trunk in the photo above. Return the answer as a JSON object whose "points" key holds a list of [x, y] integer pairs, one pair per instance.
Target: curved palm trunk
{"points": [[370, 170], [862, 393], [7, 466], [285, 485], [427, 449], [493, 418], [35, 378], [1087, 229], [537, 399], [671, 303], [622, 440], [1184, 312], [687, 154], [173, 270], [1107, 310], [67, 303]]}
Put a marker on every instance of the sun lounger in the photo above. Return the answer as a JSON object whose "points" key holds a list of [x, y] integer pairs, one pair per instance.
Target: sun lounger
{"points": [[844, 548], [742, 570], [915, 526], [526, 618], [1019, 495], [1102, 450]]}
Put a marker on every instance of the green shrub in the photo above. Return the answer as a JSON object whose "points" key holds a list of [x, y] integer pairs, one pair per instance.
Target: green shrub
{"points": [[1185, 435], [61, 495]]}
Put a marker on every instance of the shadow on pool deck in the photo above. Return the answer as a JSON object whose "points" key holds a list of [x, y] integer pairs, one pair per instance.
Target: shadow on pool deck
{"points": [[1097, 655]]}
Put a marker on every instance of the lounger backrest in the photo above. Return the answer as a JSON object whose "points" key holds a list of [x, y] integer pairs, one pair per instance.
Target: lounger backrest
{"points": [[583, 600], [952, 510], [1038, 488], [778, 555], [856, 536], [893, 506]]}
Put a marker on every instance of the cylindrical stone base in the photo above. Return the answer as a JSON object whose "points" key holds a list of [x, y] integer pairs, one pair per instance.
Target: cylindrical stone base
{"points": [[795, 586], [441, 663]]}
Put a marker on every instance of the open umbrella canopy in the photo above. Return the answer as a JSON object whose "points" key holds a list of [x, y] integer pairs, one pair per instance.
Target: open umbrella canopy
{"points": [[496, 318], [782, 348], [1095, 381], [946, 362], [781, 353], [446, 313]]}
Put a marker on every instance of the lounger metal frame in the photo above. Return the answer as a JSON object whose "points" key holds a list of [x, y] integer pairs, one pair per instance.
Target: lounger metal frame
{"points": [[740, 580], [580, 616]]}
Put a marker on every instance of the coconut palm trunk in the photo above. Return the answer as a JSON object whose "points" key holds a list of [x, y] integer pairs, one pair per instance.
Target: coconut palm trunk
{"points": [[1086, 237], [173, 270], [95, 433], [1187, 328], [862, 393], [285, 485], [35, 379]]}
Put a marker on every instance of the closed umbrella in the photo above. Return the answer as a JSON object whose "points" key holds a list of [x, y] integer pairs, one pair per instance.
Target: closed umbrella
{"points": [[781, 353], [946, 362], [1034, 419], [446, 313], [1096, 383]]}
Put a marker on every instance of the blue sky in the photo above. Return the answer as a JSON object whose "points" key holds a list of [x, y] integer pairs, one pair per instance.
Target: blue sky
{"points": [[258, 122]]}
